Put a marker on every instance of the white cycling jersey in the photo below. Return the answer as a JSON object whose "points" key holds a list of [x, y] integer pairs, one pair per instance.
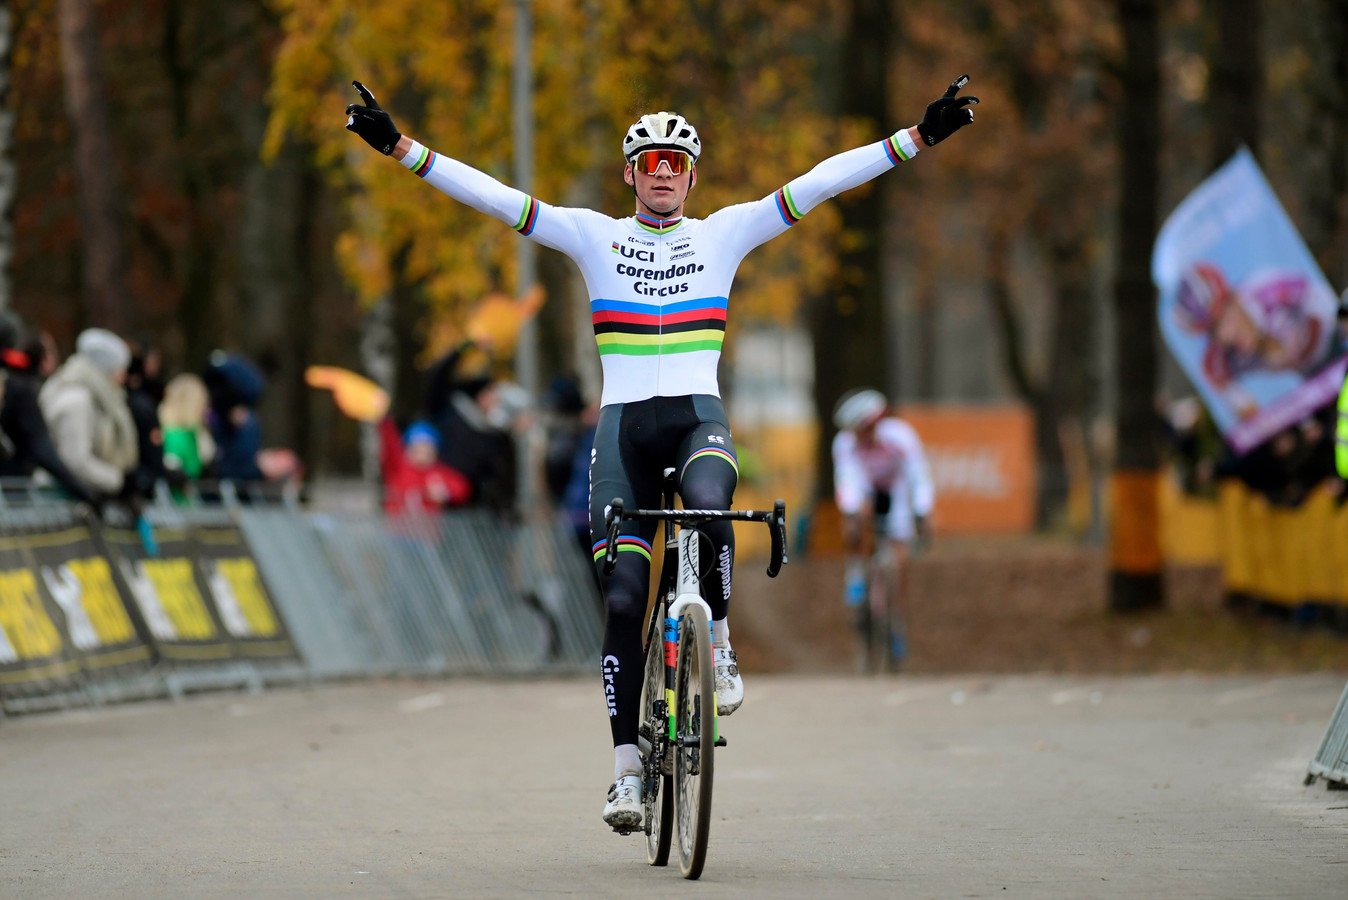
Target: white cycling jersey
{"points": [[659, 288], [895, 463]]}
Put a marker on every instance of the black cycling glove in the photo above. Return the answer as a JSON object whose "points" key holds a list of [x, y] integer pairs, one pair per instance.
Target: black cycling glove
{"points": [[371, 122], [947, 114]]}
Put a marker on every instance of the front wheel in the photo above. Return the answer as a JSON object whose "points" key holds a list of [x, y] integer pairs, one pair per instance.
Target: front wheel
{"points": [[695, 738]]}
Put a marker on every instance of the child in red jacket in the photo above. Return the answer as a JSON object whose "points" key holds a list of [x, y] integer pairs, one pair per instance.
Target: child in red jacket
{"points": [[414, 477]]}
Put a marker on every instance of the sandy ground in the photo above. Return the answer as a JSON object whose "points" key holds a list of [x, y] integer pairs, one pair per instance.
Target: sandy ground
{"points": [[911, 786]]}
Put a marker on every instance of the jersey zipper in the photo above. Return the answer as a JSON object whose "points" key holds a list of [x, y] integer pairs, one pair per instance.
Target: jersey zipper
{"points": [[660, 319]]}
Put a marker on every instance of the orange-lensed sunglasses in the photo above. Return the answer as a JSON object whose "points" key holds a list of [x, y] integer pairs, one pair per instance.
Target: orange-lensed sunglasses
{"points": [[647, 162]]}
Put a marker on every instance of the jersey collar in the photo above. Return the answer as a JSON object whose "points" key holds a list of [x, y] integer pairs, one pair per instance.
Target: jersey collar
{"points": [[658, 226]]}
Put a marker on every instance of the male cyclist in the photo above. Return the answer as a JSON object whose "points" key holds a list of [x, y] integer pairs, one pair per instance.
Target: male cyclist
{"points": [[658, 285], [879, 470]]}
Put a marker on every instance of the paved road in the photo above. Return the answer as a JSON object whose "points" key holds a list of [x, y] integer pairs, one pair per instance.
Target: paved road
{"points": [[951, 787]]}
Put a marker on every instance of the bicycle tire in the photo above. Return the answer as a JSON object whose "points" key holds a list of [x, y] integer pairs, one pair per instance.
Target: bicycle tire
{"points": [[658, 809], [695, 737]]}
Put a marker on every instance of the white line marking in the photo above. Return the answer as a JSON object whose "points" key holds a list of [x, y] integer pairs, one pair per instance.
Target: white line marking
{"points": [[422, 703]]}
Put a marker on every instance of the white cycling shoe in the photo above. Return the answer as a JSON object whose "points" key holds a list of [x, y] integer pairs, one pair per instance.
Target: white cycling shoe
{"points": [[729, 685], [623, 811]]}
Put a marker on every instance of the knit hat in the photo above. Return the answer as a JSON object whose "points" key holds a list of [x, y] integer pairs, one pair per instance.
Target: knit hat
{"points": [[421, 431], [104, 349]]}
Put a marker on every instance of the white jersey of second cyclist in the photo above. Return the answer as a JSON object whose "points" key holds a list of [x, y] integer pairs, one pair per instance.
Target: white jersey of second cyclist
{"points": [[659, 288], [894, 463]]}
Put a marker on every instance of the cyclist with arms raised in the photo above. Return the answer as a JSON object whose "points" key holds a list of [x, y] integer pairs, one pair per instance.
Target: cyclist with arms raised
{"points": [[879, 470], [658, 285]]}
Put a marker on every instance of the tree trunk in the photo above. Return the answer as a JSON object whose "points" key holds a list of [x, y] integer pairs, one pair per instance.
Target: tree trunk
{"points": [[1327, 199], [1237, 78], [849, 324], [101, 206], [1135, 564], [8, 171]]}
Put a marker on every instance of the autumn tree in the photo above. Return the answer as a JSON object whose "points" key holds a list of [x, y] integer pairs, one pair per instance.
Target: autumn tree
{"points": [[1029, 177], [443, 69]]}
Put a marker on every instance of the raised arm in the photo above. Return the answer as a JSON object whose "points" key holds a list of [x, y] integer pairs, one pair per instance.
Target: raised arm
{"points": [[751, 224], [551, 226]]}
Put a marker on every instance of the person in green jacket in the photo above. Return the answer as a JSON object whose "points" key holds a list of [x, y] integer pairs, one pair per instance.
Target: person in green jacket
{"points": [[188, 446]]}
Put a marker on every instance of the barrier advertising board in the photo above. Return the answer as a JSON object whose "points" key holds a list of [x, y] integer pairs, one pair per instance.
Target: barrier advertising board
{"points": [[34, 655], [177, 614], [226, 568], [71, 567]]}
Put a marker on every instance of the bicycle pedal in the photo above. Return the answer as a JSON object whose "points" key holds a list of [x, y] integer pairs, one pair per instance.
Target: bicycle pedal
{"points": [[720, 742], [627, 829]]}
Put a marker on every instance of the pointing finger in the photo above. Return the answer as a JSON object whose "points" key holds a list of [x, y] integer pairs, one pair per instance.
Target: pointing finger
{"points": [[956, 85], [365, 95]]}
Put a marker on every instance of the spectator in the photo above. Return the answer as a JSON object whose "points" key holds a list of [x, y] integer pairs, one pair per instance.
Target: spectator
{"points": [[414, 477], [144, 391], [43, 355], [29, 442], [235, 385], [188, 445], [86, 410], [475, 416]]}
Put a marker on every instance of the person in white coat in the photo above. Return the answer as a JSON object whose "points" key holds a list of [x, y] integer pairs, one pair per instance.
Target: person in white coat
{"points": [[87, 414]]}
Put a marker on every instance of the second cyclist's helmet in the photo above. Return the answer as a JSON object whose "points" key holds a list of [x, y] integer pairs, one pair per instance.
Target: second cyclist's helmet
{"points": [[858, 407], [661, 130]]}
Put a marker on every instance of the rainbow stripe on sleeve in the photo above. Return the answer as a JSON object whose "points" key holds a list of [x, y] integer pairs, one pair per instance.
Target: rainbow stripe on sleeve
{"points": [[787, 207], [529, 217], [894, 150], [425, 162], [646, 329]]}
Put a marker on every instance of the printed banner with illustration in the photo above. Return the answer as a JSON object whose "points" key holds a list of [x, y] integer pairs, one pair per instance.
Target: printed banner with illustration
{"points": [[1245, 309]]}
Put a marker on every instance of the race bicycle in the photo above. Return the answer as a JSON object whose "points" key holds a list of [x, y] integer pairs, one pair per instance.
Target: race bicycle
{"points": [[679, 731], [877, 601]]}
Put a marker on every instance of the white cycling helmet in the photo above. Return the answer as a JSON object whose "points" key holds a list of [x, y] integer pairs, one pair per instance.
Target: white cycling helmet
{"points": [[858, 407], [661, 130]]}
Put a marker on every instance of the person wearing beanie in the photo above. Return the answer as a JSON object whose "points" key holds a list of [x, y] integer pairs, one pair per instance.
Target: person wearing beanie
{"points": [[87, 412], [21, 421], [414, 478]]}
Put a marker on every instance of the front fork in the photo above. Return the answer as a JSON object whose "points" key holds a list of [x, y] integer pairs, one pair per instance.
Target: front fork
{"points": [[688, 593]]}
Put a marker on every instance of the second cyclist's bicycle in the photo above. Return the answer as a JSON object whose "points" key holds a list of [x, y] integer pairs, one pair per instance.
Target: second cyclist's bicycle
{"points": [[678, 733]]}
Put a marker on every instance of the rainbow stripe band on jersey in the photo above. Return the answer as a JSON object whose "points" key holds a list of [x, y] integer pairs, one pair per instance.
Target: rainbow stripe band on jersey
{"points": [[658, 226], [528, 218], [715, 453], [787, 207], [626, 544], [630, 328]]}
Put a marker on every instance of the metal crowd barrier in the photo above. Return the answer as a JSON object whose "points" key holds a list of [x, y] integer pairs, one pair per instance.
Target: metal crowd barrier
{"points": [[280, 594], [464, 593], [1331, 761]]}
